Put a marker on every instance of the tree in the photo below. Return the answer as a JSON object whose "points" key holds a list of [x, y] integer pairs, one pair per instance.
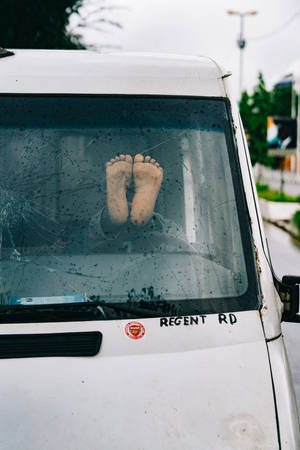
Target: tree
{"points": [[96, 15], [281, 100], [45, 23], [254, 112], [38, 24]]}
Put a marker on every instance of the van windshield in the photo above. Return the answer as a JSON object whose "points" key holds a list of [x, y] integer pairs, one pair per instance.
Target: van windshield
{"points": [[133, 203]]}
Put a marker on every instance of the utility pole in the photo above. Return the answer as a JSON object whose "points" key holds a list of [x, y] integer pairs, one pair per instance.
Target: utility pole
{"points": [[241, 42]]}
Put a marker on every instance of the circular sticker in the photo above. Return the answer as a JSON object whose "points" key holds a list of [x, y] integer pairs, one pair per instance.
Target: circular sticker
{"points": [[135, 330]]}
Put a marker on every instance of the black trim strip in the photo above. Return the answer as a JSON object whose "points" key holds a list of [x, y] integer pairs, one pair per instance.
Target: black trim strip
{"points": [[50, 344], [274, 338]]}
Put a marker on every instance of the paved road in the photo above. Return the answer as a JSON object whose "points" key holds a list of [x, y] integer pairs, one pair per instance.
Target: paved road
{"points": [[285, 254]]}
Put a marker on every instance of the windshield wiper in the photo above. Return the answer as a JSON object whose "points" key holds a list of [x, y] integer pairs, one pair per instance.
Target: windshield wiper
{"points": [[132, 309], [68, 312], [141, 308]]}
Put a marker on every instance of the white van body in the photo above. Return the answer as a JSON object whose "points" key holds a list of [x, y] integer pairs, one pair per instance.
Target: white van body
{"points": [[219, 382]]}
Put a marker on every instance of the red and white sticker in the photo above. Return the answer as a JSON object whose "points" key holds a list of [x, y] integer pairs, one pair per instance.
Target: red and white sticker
{"points": [[135, 330]]}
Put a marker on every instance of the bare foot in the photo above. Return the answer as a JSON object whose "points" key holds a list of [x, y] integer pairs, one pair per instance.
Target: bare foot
{"points": [[118, 176], [147, 175]]}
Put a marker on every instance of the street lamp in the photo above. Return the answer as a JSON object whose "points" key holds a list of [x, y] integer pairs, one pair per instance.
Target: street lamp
{"points": [[241, 42]]}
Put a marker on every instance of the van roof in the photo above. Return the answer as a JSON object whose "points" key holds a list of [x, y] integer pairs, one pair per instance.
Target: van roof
{"points": [[87, 72]]}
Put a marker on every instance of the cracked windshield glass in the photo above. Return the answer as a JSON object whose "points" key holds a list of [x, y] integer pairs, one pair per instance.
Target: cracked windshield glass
{"points": [[118, 201]]}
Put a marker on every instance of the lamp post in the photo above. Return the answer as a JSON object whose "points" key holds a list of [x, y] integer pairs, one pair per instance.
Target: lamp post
{"points": [[241, 42]]}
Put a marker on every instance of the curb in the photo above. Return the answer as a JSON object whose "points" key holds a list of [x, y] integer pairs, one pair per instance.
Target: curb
{"points": [[286, 226]]}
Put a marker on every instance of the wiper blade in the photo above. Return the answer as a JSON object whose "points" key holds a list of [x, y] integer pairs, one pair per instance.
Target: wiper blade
{"points": [[67, 312], [132, 309], [140, 308]]}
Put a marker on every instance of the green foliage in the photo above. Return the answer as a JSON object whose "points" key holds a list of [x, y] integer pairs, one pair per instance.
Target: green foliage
{"points": [[38, 24], [255, 109], [254, 112], [281, 101], [261, 188], [296, 220], [263, 191]]}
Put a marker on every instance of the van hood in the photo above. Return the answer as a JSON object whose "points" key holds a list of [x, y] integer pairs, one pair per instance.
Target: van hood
{"points": [[193, 385]]}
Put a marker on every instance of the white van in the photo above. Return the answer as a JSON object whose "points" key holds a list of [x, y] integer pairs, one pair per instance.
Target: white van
{"points": [[138, 305]]}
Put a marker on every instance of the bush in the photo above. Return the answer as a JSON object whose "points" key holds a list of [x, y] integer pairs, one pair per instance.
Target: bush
{"points": [[263, 191], [296, 220], [262, 187]]}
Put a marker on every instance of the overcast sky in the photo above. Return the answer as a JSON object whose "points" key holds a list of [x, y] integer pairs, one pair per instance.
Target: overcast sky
{"points": [[204, 28]]}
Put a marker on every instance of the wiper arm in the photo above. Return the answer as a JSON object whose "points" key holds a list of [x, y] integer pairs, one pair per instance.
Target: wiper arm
{"points": [[131, 309], [141, 308]]}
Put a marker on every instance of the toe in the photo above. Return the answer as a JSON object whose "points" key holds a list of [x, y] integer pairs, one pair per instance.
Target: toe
{"points": [[117, 158], [147, 159], [109, 163], [122, 157], [128, 158], [113, 160], [156, 164], [138, 158], [152, 161]]}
